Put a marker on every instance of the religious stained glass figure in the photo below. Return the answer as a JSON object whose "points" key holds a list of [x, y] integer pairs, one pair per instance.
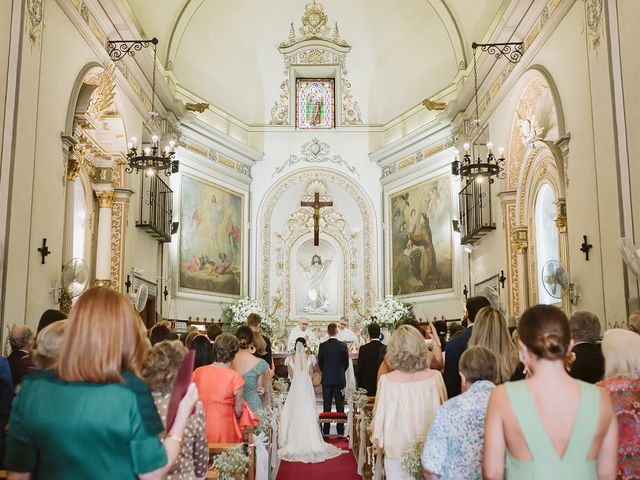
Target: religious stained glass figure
{"points": [[315, 103]]}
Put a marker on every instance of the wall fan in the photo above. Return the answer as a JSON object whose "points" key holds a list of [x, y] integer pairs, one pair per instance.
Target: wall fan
{"points": [[139, 297], [631, 255], [555, 279], [73, 280], [493, 296]]}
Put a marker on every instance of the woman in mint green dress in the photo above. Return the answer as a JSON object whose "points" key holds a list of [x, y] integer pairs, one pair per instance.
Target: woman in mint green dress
{"points": [[549, 426], [255, 371]]}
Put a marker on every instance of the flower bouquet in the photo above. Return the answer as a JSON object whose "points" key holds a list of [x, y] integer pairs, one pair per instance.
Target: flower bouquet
{"points": [[388, 313], [312, 347], [236, 315]]}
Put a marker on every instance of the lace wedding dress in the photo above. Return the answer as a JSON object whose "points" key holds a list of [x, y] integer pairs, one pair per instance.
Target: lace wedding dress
{"points": [[300, 439]]}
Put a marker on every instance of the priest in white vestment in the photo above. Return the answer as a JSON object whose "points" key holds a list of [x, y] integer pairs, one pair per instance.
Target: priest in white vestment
{"points": [[301, 330], [345, 334]]}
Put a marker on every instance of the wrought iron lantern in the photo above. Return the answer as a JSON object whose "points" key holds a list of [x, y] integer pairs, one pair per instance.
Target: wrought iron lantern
{"points": [[479, 170], [151, 158]]}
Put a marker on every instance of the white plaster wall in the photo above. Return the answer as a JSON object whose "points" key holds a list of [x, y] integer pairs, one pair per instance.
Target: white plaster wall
{"points": [[6, 9]]}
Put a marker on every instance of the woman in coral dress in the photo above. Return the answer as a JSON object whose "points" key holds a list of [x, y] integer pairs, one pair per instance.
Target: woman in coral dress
{"points": [[220, 389]]}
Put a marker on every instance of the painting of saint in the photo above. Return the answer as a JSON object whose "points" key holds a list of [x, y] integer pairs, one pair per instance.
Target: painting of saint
{"points": [[315, 103], [211, 257], [421, 238]]}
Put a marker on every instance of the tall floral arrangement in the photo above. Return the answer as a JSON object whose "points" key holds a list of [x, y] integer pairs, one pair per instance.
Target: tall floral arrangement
{"points": [[236, 315], [388, 313], [232, 464]]}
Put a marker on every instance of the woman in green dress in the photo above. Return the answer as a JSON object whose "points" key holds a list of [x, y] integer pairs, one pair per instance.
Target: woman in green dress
{"points": [[549, 426], [255, 371], [91, 416]]}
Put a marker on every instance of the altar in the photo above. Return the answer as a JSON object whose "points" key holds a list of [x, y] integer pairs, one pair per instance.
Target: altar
{"points": [[281, 369]]}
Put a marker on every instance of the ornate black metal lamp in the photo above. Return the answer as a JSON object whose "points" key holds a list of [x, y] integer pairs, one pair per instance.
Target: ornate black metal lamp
{"points": [[478, 169], [149, 158]]}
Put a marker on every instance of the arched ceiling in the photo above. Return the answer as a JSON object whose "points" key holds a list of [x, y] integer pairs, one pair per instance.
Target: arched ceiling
{"points": [[226, 51]]}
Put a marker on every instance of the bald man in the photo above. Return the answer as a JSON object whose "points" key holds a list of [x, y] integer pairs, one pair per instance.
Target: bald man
{"points": [[21, 341]]}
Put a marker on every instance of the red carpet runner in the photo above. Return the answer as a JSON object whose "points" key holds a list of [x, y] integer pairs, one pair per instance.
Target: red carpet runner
{"points": [[343, 467]]}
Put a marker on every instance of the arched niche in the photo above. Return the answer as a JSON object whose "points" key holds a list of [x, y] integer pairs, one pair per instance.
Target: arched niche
{"points": [[537, 155]]}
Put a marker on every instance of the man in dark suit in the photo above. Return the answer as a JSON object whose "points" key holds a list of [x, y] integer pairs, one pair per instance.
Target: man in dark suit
{"points": [[588, 364], [369, 361], [457, 346], [333, 360], [21, 340]]}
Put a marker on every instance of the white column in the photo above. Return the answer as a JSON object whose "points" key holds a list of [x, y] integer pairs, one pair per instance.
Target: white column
{"points": [[103, 249]]}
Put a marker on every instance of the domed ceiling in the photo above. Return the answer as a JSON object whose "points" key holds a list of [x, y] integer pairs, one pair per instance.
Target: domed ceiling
{"points": [[226, 51]]}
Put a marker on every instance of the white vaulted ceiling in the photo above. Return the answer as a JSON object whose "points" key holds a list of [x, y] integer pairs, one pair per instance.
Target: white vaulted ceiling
{"points": [[403, 51]]}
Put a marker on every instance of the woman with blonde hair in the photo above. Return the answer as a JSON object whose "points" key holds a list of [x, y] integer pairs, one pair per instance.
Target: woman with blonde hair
{"points": [[621, 350], [490, 331], [407, 399], [158, 371], [91, 416], [48, 344]]}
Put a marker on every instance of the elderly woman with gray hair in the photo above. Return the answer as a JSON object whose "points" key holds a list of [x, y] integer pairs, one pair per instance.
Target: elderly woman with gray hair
{"points": [[407, 399], [586, 360]]}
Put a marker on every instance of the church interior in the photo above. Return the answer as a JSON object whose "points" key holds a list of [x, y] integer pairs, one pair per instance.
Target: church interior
{"points": [[320, 162]]}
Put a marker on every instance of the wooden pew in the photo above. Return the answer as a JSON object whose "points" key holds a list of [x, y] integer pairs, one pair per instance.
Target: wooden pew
{"points": [[218, 448]]}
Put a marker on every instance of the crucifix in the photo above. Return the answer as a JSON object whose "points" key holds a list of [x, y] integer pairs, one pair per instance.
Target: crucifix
{"points": [[44, 250], [585, 247], [316, 205]]}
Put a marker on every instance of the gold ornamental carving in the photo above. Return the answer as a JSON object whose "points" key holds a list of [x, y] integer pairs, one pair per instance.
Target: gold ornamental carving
{"points": [[103, 283], [520, 246], [106, 198], [101, 102], [197, 107], [65, 303], [73, 168], [431, 105]]}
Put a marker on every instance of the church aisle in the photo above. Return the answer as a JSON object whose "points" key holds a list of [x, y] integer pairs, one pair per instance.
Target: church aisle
{"points": [[343, 467]]}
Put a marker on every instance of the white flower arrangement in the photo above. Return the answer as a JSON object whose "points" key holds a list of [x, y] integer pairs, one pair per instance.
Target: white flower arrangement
{"points": [[239, 310], [388, 313], [312, 347], [268, 415], [411, 463], [232, 464]]}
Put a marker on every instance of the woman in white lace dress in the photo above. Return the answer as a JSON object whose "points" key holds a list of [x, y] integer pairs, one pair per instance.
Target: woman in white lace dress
{"points": [[300, 439]]}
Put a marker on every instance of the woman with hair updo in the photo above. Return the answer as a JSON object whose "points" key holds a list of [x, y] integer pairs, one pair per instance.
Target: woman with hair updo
{"points": [[48, 344], [621, 350], [254, 370], [407, 399], [204, 351], [221, 392], [490, 331], [549, 426], [158, 371]]}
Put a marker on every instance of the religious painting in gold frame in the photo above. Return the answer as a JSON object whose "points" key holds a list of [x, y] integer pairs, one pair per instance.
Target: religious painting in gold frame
{"points": [[315, 103], [211, 250], [421, 238]]}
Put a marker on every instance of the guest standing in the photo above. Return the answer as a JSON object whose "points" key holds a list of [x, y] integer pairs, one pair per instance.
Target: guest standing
{"points": [[204, 351], [92, 416], [457, 345], [21, 340], [453, 450], [262, 343], [634, 322], [407, 399], [255, 371], [549, 426], [588, 364], [490, 331], [50, 341], [369, 358], [621, 349], [220, 389], [158, 371]]}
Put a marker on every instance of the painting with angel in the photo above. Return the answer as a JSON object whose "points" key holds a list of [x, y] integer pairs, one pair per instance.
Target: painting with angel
{"points": [[211, 254]]}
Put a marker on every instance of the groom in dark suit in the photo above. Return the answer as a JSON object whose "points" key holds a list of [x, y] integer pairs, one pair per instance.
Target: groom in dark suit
{"points": [[333, 360]]}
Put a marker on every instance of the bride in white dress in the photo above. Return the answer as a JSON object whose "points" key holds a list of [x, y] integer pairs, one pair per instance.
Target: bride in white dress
{"points": [[300, 439]]}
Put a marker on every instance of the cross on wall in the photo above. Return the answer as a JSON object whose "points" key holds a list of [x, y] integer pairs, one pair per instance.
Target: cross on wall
{"points": [[316, 205]]}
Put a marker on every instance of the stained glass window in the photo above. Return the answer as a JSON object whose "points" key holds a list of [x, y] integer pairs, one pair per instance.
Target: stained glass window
{"points": [[315, 103]]}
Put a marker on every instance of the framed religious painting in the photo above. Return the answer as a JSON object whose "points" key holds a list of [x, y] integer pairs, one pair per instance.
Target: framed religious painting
{"points": [[211, 249], [420, 238], [315, 103]]}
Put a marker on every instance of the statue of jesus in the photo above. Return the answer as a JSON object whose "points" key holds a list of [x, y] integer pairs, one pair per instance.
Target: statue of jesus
{"points": [[316, 299]]}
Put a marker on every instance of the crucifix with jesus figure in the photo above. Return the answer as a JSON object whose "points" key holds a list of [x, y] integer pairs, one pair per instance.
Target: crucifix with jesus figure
{"points": [[316, 205]]}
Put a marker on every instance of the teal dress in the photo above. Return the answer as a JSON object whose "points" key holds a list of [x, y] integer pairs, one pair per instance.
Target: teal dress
{"points": [[251, 385], [78, 430], [546, 463]]}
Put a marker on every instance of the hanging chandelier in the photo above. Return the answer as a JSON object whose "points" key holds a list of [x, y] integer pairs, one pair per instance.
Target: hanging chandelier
{"points": [[151, 158], [492, 166]]}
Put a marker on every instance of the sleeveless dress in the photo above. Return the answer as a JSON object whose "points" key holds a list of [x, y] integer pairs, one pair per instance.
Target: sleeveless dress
{"points": [[251, 385], [546, 463], [300, 439]]}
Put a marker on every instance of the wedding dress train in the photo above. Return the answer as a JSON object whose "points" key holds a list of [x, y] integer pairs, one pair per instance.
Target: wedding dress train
{"points": [[300, 439]]}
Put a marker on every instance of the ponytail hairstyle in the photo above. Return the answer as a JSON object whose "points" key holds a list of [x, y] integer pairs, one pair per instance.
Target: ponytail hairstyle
{"points": [[253, 321], [245, 337], [544, 329]]}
